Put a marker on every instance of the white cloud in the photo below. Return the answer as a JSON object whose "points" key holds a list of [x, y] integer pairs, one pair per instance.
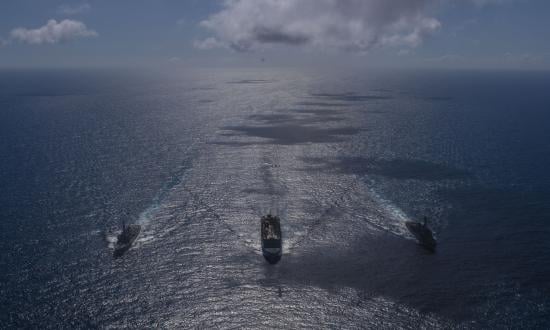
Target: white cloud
{"points": [[208, 43], [53, 32], [355, 25], [74, 9]]}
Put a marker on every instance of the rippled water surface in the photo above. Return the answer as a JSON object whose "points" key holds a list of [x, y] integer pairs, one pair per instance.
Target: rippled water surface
{"points": [[196, 157]]}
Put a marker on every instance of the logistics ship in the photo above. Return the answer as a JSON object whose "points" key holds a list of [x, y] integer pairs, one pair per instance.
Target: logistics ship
{"points": [[272, 241]]}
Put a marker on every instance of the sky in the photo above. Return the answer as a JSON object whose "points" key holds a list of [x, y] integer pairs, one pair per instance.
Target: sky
{"points": [[486, 34]]}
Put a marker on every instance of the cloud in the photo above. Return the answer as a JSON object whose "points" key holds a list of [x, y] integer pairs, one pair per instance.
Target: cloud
{"points": [[208, 43], [53, 32], [353, 25], [74, 9]]}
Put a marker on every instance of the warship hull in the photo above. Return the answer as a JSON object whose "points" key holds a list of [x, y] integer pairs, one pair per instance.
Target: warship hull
{"points": [[126, 239], [423, 235]]}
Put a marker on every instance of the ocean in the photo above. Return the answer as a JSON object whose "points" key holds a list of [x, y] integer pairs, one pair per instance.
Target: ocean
{"points": [[196, 157]]}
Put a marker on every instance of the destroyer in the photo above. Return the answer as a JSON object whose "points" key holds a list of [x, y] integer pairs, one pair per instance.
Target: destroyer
{"points": [[125, 239], [272, 241], [422, 233]]}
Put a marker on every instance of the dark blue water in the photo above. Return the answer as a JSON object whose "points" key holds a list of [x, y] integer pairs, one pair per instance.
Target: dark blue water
{"points": [[196, 157]]}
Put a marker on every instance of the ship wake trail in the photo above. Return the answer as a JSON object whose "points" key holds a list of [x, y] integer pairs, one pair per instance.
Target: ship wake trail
{"points": [[356, 210], [395, 216], [159, 208], [247, 244], [149, 213]]}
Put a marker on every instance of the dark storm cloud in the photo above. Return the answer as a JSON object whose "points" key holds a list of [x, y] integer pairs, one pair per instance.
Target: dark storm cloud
{"points": [[267, 35]]}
